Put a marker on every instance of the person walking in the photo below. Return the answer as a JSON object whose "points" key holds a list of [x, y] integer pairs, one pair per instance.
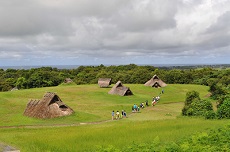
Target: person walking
{"points": [[135, 107], [124, 113], [117, 115], [113, 115]]}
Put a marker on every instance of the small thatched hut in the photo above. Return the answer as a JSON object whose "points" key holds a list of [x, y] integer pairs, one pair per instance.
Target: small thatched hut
{"points": [[14, 89], [104, 82], [120, 89], [50, 106], [68, 80], [156, 82]]}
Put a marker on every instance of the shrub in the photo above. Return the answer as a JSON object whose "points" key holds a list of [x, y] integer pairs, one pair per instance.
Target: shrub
{"points": [[217, 90], [189, 112], [210, 115], [200, 107], [221, 99], [194, 106], [190, 96], [213, 140], [224, 110]]}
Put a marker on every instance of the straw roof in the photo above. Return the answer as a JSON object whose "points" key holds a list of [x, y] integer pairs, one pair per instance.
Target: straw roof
{"points": [[14, 89], [50, 106], [120, 89], [104, 82], [155, 81], [68, 80]]}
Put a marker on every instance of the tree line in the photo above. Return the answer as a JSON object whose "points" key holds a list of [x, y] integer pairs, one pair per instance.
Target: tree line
{"points": [[217, 79]]}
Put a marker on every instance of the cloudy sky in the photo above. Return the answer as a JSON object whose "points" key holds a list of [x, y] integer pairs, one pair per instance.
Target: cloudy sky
{"points": [[93, 32]]}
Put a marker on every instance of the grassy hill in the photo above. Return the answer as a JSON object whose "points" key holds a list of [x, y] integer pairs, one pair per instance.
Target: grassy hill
{"points": [[90, 102], [93, 106]]}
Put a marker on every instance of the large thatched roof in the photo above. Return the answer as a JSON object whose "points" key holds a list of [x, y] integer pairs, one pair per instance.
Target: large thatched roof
{"points": [[50, 106], [120, 89], [155, 81], [104, 82]]}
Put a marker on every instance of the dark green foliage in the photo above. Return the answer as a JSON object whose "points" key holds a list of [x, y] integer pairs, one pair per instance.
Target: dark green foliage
{"points": [[140, 75], [217, 90], [190, 96], [210, 114], [218, 80], [225, 80], [194, 106], [175, 76], [4, 86], [212, 141], [221, 99], [201, 107], [224, 109], [21, 83], [43, 79]]}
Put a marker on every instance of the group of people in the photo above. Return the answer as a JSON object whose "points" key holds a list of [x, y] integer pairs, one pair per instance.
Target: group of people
{"points": [[118, 115], [155, 100], [135, 108]]}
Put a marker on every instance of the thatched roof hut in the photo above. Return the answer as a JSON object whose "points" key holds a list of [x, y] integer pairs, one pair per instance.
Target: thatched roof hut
{"points": [[14, 89], [50, 106], [120, 89], [68, 80], [156, 82], [104, 82]]}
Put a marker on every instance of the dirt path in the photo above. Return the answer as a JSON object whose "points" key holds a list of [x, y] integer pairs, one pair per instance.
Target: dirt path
{"points": [[58, 125], [55, 125]]}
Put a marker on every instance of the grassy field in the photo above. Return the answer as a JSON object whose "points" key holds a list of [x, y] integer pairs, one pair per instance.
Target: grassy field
{"points": [[91, 125]]}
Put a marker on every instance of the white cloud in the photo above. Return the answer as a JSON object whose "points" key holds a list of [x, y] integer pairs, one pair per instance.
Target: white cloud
{"points": [[101, 31]]}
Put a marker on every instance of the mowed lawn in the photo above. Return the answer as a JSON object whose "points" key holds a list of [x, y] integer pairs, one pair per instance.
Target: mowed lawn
{"points": [[89, 127]]}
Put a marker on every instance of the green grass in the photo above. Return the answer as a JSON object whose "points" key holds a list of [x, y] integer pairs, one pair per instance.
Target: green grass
{"points": [[94, 104], [117, 133], [90, 102]]}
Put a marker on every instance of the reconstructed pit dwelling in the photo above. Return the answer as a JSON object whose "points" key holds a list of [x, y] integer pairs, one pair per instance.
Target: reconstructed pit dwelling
{"points": [[50, 106]]}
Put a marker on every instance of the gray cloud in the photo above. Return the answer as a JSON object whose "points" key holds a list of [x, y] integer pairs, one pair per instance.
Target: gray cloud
{"points": [[95, 32]]}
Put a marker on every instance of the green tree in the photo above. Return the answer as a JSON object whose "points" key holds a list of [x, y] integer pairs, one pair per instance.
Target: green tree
{"points": [[194, 106], [4, 86], [140, 76], [190, 97], [224, 110], [21, 83], [217, 90], [201, 107]]}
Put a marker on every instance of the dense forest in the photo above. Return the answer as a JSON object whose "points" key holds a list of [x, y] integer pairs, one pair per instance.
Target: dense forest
{"points": [[217, 79]]}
